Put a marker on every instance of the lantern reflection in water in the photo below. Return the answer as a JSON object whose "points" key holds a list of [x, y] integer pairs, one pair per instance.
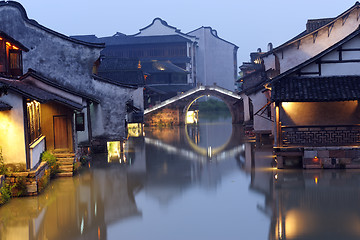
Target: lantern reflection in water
{"points": [[135, 129], [116, 151], [192, 117]]}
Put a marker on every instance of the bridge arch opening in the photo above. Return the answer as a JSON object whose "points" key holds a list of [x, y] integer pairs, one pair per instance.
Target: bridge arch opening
{"points": [[211, 132], [206, 104], [228, 147]]}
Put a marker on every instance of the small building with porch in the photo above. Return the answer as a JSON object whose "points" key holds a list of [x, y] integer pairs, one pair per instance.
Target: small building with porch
{"points": [[37, 118], [317, 112]]}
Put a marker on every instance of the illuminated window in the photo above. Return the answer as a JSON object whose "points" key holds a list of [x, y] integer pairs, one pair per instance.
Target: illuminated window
{"points": [[10, 58], [15, 62], [33, 115]]}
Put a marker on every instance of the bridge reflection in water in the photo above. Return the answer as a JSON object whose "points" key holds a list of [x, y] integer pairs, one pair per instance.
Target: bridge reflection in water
{"points": [[201, 147]]}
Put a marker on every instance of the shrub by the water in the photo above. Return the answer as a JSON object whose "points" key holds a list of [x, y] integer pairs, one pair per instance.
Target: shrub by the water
{"points": [[51, 160]]}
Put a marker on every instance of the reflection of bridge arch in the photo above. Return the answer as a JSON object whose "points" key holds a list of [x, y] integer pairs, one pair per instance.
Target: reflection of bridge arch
{"points": [[173, 111], [233, 141]]}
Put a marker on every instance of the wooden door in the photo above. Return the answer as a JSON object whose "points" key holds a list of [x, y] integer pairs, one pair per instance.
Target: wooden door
{"points": [[60, 132]]}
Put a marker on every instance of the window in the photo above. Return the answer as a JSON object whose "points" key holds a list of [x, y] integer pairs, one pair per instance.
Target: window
{"points": [[80, 122], [10, 59], [33, 115], [2, 56]]}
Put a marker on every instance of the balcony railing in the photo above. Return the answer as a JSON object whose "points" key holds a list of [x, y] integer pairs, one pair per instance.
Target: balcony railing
{"points": [[334, 135]]}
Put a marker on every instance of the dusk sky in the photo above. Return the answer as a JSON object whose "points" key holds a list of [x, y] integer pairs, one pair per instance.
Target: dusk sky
{"points": [[248, 24]]}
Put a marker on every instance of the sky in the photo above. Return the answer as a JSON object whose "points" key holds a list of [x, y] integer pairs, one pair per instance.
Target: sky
{"points": [[249, 24]]}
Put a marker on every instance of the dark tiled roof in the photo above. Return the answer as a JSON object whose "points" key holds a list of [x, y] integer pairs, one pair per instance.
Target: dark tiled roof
{"points": [[107, 80], [129, 78], [313, 24], [316, 89], [120, 70], [169, 88], [116, 63], [38, 94], [69, 89], [155, 66], [17, 43], [132, 40], [4, 106]]}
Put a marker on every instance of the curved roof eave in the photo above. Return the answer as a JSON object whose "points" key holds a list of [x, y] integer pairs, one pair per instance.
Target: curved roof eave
{"points": [[36, 24], [302, 35], [316, 57], [163, 22], [216, 36]]}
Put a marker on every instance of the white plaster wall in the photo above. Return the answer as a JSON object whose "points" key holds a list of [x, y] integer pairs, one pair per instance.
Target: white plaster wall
{"points": [[292, 56], [35, 151], [334, 55], [246, 107], [97, 126], [215, 60], [83, 136], [310, 68], [339, 69], [260, 124], [12, 136], [157, 28], [201, 74]]}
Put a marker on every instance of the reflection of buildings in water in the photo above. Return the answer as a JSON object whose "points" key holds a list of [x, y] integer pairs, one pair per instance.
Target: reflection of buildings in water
{"points": [[194, 133], [172, 168], [307, 204], [316, 205], [78, 208]]}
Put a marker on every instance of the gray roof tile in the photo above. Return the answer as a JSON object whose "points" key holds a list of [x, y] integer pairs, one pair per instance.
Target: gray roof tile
{"points": [[4, 106], [316, 89]]}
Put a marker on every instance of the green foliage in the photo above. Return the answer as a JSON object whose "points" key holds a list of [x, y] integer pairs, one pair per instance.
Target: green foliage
{"points": [[11, 167], [84, 159], [44, 180], [20, 186], [51, 160], [212, 105], [6, 193], [3, 169]]}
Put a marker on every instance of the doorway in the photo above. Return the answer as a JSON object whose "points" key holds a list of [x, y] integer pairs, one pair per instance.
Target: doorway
{"points": [[61, 132]]}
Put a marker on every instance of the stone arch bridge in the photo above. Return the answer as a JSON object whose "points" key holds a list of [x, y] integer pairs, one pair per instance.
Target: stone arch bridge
{"points": [[173, 111]]}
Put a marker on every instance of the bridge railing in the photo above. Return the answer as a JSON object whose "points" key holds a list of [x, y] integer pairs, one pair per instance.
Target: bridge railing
{"points": [[190, 92]]}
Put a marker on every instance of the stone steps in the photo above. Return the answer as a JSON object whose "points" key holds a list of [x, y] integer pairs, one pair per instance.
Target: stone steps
{"points": [[64, 155], [64, 174], [66, 168], [66, 163]]}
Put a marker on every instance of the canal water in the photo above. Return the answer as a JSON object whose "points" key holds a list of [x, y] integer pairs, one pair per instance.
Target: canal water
{"points": [[205, 181]]}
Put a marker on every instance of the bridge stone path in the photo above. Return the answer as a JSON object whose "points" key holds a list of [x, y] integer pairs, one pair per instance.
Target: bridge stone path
{"points": [[173, 111]]}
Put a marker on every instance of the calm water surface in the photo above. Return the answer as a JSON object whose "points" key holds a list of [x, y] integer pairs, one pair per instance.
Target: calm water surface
{"points": [[195, 182]]}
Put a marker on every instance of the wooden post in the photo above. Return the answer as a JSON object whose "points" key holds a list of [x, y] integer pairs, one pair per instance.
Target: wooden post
{"points": [[277, 125], [88, 117]]}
